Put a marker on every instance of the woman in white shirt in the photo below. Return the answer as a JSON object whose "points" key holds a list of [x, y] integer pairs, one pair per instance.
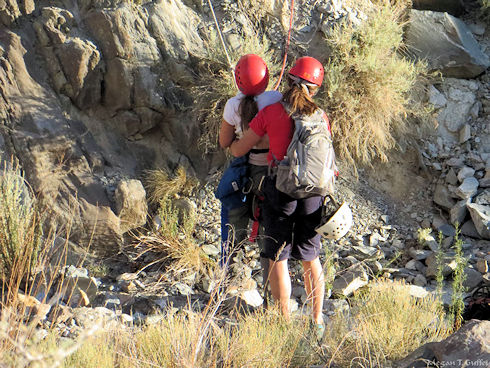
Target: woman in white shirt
{"points": [[252, 78]]}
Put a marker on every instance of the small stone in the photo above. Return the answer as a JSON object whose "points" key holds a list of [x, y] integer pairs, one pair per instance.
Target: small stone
{"points": [[465, 172], [447, 230], [252, 298], [481, 219], [473, 278], [210, 250], [482, 265], [464, 133], [469, 229], [468, 188], [458, 213], [442, 197], [419, 254], [483, 198], [451, 177], [420, 280], [127, 276]]}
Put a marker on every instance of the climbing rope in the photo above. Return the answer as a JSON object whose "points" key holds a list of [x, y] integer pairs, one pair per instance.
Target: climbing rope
{"points": [[287, 46], [222, 40], [226, 50]]}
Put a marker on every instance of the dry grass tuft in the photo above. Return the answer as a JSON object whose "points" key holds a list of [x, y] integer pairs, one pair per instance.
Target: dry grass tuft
{"points": [[369, 84], [160, 185], [174, 238], [20, 226], [280, 342], [386, 324], [215, 84]]}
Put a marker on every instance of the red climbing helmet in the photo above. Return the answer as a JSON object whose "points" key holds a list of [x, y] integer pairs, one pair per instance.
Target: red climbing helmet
{"points": [[309, 69], [251, 75]]}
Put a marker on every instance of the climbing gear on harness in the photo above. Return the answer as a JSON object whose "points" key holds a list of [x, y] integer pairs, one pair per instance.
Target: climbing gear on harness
{"points": [[309, 69], [251, 75], [309, 168], [336, 221]]}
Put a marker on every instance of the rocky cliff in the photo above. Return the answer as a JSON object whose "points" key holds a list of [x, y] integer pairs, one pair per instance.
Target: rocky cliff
{"points": [[94, 92]]}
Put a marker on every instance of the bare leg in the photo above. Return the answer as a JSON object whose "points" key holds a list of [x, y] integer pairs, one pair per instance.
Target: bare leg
{"points": [[315, 287], [280, 284]]}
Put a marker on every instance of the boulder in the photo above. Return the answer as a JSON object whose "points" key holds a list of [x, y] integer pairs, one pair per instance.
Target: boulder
{"points": [[467, 347], [468, 344], [446, 43], [454, 7], [131, 205], [480, 215]]}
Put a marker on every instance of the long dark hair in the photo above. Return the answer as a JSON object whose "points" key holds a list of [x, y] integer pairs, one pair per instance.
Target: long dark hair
{"points": [[299, 100], [248, 109]]}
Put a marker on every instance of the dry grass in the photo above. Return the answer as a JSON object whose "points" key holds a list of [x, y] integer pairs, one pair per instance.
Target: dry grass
{"points": [[215, 83], [20, 225], [174, 239], [160, 185], [369, 84], [386, 324]]}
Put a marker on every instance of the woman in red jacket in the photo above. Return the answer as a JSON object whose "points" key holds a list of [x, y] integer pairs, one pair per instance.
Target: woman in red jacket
{"points": [[289, 223]]}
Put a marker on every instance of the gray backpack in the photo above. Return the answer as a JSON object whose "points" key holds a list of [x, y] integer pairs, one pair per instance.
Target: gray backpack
{"points": [[309, 168]]}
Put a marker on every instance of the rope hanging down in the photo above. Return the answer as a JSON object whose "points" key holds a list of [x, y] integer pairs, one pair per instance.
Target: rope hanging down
{"points": [[228, 56], [287, 46], [222, 40]]}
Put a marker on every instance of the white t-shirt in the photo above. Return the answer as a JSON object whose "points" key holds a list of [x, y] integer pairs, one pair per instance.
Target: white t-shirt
{"points": [[231, 114]]}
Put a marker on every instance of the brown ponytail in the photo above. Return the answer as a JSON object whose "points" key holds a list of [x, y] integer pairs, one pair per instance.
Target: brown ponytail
{"points": [[299, 101], [248, 109]]}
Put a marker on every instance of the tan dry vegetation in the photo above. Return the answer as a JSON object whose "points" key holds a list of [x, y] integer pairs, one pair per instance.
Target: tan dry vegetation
{"points": [[369, 85], [174, 239], [387, 324]]}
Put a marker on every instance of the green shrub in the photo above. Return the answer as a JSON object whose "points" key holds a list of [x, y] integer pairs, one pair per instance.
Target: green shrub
{"points": [[20, 226], [456, 308], [215, 83], [368, 85]]}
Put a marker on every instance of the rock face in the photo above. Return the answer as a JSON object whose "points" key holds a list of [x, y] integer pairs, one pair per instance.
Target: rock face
{"points": [[466, 347], [446, 43], [92, 93]]}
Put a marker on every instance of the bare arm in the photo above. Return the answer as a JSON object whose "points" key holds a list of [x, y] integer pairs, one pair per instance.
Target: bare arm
{"points": [[241, 147], [226, 134]]}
